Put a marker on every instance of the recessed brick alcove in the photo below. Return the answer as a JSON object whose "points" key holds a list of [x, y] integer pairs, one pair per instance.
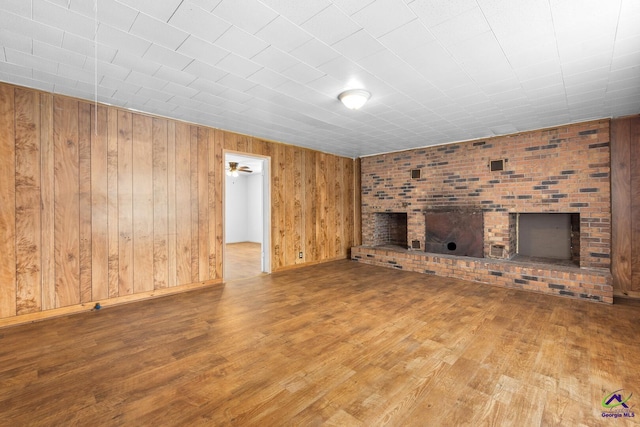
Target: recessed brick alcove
{"points": [[560, 170]]}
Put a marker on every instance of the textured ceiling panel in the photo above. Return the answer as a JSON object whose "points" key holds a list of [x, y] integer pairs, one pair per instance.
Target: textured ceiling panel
{"points": [[438, 71]]}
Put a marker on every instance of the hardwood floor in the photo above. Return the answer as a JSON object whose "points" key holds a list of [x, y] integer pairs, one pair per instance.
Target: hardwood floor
{"points": [[338, 344], [242, 260]]}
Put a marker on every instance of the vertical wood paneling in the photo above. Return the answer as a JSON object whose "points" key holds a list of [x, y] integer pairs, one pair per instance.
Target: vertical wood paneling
{"points": [[621, 204], [111, 203], [67, 206], [99, 205], [142, 203], [7, 203], [290, 248], [195, 267], [125, 203], [217, 192], [279, 206], [337, 208], [84, 166], [113, 211], [160, 204], [311, 205], [298, 203], [212, 201], [347, 204], [634, 137], [47, 191], [322, 207], [203, 204], [183, 203], [357, 201], [171, 204], [27, 224], [625, 207]]}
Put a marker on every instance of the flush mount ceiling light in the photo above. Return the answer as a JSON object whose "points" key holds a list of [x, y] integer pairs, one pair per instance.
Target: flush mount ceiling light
{"points": [[354, 98]]}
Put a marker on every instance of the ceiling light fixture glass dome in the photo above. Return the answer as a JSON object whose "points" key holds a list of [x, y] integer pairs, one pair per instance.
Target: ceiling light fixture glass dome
{"points": [[353, 99]]}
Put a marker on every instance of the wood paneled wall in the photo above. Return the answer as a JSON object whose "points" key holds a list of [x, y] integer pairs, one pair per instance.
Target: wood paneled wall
{"points": [[625, 206], [105, 205]]}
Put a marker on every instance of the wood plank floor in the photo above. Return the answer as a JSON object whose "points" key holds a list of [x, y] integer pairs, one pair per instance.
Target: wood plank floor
{"points": [[242, 260], [333, 344]]}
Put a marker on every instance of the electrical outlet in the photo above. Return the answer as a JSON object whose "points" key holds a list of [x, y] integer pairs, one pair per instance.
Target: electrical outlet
{"points": [[300, 255]]}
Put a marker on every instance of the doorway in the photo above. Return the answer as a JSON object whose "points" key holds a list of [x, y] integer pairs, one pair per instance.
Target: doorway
{"points": [[246, 216]]}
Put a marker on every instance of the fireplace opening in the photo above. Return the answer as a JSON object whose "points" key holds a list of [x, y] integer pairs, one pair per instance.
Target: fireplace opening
{"points": [[458, 231], [552, 238], [390, 229]]}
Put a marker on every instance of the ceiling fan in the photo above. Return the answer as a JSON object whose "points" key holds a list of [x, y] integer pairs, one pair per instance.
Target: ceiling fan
{"points": [[234, 168]]}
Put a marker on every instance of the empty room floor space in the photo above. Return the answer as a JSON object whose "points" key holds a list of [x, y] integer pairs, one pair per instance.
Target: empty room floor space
{"points": [[339, 343], [242, 260]]}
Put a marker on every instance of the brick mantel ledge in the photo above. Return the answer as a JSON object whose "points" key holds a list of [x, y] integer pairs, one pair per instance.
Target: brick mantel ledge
{"points": [[572, 282]]}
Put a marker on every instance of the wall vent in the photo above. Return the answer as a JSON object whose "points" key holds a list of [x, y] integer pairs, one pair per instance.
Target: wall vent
{"points": [[496, 165], [415, 173], [497, 251], [415, 244]]}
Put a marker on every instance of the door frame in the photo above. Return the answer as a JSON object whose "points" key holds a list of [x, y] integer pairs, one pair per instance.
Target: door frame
{"points": [[265, 250]]}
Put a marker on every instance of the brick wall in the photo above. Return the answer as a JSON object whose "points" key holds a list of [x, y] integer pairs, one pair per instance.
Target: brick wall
{"points": [[563, 169]]}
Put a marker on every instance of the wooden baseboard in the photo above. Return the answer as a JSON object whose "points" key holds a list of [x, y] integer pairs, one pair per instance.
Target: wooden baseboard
{"points": [[626, 294], [79, 308], [307, 264]]}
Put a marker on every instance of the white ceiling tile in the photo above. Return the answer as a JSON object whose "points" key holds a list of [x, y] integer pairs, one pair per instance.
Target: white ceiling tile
{"points": [[207, 5], [16, 41], [358, 45], [27, 60], [345, 70], [331, 25], [19, 7], [314, 53], [65, 19], [463, 27], [207, 86], [234, 82], [250, 15], [110, 12], [240, 42], [283, 34], [383, 16], [408, 37], [297, 11], [57, 54], [167, 57], [176, 76], [179, 89], [143, 80], [87, 47], [86, 75], [122, 41], [351, 6], [117, 84], [204, 71], [134, 62], [161, 10], [302, 73], [31, 29], [191, 18], [206, 52], [434, 12], [268, 78], [275, 59], [238, 65], [158, 32]]}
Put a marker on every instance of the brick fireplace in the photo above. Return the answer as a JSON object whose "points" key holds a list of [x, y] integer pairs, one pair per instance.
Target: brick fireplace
{"points": [[563, 170]]}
